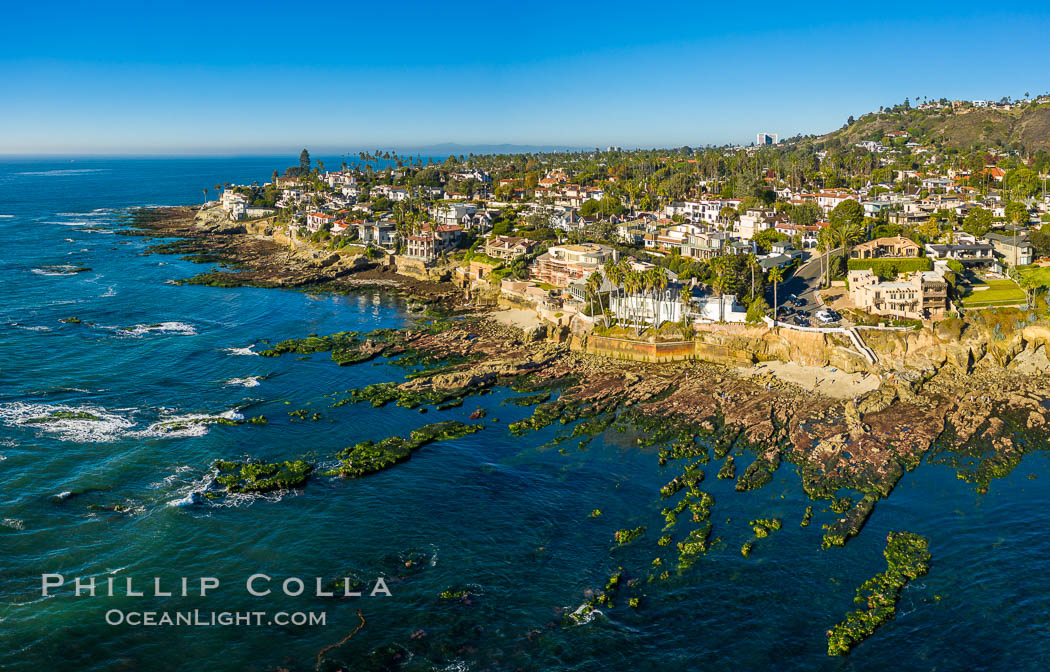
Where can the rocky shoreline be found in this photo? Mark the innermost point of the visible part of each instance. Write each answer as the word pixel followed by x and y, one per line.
pixel 954 394
pixel 973 396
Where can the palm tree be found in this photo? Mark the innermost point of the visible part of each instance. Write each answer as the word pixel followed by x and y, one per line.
pixel 720 266
pixel 205 194
pixel 824 246
pixel 658 281
pixel 776 275
pixel 752 265
pixel 594 288
pixel 685 295
pixel 847 235
pixel 614 272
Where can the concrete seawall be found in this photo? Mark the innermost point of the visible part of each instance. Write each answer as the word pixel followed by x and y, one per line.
pixel 639 351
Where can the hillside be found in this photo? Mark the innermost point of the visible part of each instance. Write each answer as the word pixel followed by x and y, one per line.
pixel 1027 128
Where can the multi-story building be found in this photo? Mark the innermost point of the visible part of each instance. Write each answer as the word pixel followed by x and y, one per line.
pixel 562 264
pixel 508 247
pixel 1014 250
pixel 896 247
pixel 918 296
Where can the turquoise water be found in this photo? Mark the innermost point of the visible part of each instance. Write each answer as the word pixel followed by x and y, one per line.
pixel 499 515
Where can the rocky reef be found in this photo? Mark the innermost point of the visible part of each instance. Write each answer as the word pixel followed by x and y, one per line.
pixel 907 558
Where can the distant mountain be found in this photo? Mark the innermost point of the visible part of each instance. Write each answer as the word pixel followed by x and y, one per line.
pixel 1025 127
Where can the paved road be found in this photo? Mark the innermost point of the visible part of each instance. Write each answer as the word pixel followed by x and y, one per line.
pixel 804 284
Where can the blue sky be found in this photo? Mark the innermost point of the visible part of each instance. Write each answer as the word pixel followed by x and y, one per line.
pixel 113 77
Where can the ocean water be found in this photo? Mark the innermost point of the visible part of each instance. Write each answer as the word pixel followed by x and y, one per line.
pixel 504 517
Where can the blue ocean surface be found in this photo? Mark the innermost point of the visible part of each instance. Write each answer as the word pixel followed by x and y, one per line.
pixel 503 517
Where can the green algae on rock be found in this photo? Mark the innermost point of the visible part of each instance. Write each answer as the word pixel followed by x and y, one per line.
pixel 369 457
pixel 763 526
pixel 728 470
pixel 850 525
pixel 758 473
pixel 806 517
pixel 62 415
pixel 624 537
pixel 907 558
pixel 259 477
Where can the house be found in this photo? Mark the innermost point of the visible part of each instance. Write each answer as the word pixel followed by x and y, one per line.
pixel 967 253
pixel 753 222
pixel 256 211
pixel 917 296
pixel 382 234
pixel 561 264
pixel 895 247
pixel 829 199
pixel 706 245
pixel 1014 250
pixel 508 247
pixel 393 193
pixel 422 246
pixel 478 221
pixel 452 213
pixel 659 306
pixel 316 220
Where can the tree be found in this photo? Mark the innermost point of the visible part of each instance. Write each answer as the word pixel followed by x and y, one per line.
pixel 847 223
pixel 685 296
pixel 720 282
pixel 205 194
pixel 752 265
pixel 594 289
pixel 977 222
pixel 776 276
pixel 304 162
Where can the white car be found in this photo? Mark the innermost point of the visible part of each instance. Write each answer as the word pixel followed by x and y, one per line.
pixel 826 317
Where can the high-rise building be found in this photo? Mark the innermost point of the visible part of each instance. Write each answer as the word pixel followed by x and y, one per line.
pixel 767 139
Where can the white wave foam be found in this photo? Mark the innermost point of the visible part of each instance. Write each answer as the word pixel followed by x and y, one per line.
pixel 180 328
pixel 27 327
pixel 241 351
pixel 6 216
pixel 171 478
pixel 190 424
pixel 14 523
pixel 112 291
pixel 94 424
pixel 249 381
pixel 59 269
pixel 584 614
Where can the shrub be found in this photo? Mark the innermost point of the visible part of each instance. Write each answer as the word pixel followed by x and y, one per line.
pixel 891 268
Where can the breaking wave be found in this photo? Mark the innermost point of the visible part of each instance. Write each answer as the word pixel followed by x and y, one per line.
pixel 59 269
pixel 83 424
pixel 180 328
pixel 241 351
pixel 248 381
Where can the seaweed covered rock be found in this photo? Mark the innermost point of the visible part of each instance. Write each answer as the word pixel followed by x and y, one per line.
pixel 850 525
pixel 624 537
pixel 758 473
pixel 261 476
pixel 907 558
pixel 369 457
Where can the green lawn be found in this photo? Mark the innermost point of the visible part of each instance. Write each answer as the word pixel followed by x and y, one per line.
pixel 1039 274
pixel 999 293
